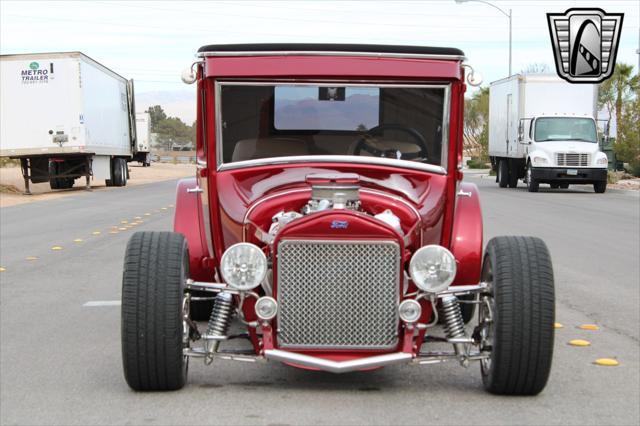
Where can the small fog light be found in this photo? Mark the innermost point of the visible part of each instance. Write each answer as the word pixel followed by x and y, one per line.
pixel 410 311
pixel 266 308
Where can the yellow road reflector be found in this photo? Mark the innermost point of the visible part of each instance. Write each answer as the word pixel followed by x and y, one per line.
pixel 2 269
pixel 31 258
pixel 163 208
pixel 579 342
pixel 557 325
pixel 124 221
pixel 95 233
pixel 56 248
pixel 147 214
pixel 78 240
pixel 122 229
pixel 139 221
pixel 113 232
pixel 137 218
pixel 608 362
pixel 589 327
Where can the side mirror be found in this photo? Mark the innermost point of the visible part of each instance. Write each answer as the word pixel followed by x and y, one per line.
pixel 521 132
pixel 188 76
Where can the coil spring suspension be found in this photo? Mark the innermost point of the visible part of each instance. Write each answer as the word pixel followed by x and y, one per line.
pixel 453 322
pixel 220 320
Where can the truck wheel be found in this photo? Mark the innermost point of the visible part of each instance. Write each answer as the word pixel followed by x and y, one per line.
pixel 564 185
pixel 600 187
pixel 156 267
pixel 532 184
pixel 554 185
pixel 513 175
pixel 118 173
pixel 503 173
pixel 516 320
pixel 54 182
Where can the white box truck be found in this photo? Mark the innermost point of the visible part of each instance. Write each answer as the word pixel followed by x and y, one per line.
pixel 66 116
pixel 543 130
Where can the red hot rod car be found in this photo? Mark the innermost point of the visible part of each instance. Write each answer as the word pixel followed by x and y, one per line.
pixel 328 217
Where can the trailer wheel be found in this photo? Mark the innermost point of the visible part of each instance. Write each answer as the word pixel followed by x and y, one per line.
pixel 503 173
pixel 564 185
pixel 532 184
pixel 600 187
pixel 516 320
pixel 554 185
pixel 118 172
pixel 156 267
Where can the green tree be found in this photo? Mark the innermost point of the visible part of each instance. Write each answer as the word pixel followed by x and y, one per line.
pixel 157 115
pixel 627 147
pixel 476 122
pixel 615 91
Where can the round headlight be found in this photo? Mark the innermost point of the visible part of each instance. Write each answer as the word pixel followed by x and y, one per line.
pixel 266 308
pixel 243 266
pixel 432 268
pixel 409 311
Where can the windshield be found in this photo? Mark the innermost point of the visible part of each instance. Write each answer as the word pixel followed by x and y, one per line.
pixel 564 129
pixel 260 121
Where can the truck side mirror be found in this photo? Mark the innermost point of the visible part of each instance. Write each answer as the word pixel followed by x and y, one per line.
pixel 521 132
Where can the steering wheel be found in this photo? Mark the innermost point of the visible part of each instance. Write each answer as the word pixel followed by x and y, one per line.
pixel 363 143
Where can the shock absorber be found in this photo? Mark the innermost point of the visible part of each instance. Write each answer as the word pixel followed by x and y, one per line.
pixel 453 322
pixel 219 321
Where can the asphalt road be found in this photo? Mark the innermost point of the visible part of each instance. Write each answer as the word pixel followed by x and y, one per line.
pixel 60 360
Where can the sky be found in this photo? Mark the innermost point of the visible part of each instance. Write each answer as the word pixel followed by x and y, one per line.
pixel 153 41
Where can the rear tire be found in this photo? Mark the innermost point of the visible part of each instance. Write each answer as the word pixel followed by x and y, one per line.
pixel 513 175
pixel 564 185
pixel 118 172
pixel 521 295
pixel 503 173
pixel 555 185
pixel 600 187
pixel 156 267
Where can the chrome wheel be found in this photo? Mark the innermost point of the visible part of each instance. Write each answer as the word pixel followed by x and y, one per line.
pixel 486 313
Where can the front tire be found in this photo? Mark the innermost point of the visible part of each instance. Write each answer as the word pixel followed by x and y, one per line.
pixel 156 267
pixel 600 187
pixel 532 184
pixel 519 333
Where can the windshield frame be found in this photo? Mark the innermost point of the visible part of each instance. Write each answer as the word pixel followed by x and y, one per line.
pixel 535 129
pixel 442 169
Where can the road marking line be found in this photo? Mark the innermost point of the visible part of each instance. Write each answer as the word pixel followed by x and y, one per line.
pixel 78 240
pixel 607 362
pixel 137 218
pixel 122 229
pixel 31 258
pixel 2 269
pixel 56 248
pixel 102 303
pixel 589 327
pixel 124 221
pixel 163 208
pixel 579 342
pixel 113 232
pixel 557 325
pixel 147 214
pixel 96 233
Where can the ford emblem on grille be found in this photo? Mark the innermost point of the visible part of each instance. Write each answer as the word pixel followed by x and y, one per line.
pixel 339 224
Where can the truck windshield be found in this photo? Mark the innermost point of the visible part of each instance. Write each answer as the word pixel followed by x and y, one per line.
pixel 564 129
pixel 261 121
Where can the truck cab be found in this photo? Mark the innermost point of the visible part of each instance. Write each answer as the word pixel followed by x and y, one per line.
pixel 562 149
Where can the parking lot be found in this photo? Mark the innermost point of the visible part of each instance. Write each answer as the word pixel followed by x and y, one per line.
pixel 60 325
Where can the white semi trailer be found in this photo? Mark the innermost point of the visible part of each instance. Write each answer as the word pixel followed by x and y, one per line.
pixel 65 116
pixel 543 130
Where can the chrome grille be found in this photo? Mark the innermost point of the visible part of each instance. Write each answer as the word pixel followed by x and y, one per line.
pixel 338 294
pixel 572 159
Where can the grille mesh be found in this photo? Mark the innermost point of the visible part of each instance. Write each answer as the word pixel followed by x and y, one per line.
pixel 339 295
pixel 573 159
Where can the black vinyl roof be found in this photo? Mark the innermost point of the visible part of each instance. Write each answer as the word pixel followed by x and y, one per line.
pixel 331 47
